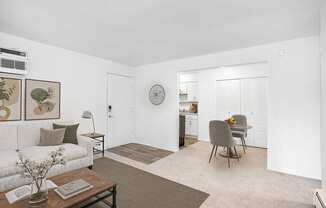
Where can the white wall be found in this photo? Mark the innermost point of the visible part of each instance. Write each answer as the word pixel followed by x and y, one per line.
pixel 294 101
pixel 188 77
pixel 82 77
pixel 294 94
pixel 323 89
pixel 207 90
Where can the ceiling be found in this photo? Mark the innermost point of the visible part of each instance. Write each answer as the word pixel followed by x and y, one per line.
pixel 139 32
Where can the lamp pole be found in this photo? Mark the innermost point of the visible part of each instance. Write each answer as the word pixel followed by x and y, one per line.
pixel 93 125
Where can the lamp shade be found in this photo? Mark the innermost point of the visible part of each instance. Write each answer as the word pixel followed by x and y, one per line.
pixel 87 115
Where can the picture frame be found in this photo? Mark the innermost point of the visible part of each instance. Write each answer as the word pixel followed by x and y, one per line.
pixel 42 100
pixel 10 99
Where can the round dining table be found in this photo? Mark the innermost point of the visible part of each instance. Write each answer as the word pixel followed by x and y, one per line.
pixel 238 129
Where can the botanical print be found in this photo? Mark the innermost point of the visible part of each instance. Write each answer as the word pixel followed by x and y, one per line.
pixel 10 99
pixel 42 100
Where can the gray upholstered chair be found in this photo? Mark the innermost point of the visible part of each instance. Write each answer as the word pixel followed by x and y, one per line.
pixel 220 135
pixel 241 134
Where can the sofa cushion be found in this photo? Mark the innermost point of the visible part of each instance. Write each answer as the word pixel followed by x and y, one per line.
pixel 70 134
pixel 72 152
pixel 29 134
pixel 51 137
pixel 8 137
pixel 8 162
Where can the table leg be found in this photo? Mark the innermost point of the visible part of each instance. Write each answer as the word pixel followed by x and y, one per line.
pixel 114 197
pixel 103 147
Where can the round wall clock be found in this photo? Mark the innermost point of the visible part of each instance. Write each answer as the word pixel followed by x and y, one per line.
pixel 156 94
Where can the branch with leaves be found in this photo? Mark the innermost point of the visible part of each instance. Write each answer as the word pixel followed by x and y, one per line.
pixel 4 95
pixel 38 170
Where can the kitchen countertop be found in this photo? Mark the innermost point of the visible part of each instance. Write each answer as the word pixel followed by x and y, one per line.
pixel 188 113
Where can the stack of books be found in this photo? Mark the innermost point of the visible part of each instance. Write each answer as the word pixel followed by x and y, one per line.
pixel 73 188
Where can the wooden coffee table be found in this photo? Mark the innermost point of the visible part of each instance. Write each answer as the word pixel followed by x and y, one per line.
pixel 99 193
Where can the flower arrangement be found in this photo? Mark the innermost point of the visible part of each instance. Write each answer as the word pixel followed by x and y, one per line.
pixel 231 121
pixel 37 172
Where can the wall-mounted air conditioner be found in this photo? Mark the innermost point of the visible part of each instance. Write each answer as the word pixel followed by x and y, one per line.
pixel 13 61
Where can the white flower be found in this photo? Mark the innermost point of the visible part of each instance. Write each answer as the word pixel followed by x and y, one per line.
pixel 37 170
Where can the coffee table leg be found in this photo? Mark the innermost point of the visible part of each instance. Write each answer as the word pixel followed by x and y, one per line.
pixel 114 197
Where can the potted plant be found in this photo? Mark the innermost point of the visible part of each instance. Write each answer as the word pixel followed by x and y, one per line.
pixel 231 121
pixel 37 171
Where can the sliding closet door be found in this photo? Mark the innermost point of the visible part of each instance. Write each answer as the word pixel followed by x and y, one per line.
pixel 227 98
pixel 253 105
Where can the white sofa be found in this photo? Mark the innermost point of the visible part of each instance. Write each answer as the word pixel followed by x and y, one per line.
pixel 25 138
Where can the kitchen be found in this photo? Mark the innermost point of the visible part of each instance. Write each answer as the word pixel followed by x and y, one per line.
pixel 188 108
pixel 218 94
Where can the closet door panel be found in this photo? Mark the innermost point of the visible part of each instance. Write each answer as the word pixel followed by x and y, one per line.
pixel 253 105
pixel 227 98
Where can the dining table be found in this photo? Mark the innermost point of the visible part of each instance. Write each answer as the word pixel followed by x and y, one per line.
pixel 239 129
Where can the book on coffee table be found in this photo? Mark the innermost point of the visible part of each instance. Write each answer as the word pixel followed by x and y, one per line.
pixel 73 188
pixel 24 192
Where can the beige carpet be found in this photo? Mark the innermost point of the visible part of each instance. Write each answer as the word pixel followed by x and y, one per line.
pixel 139 152
pixel 247 184
pixel 139 189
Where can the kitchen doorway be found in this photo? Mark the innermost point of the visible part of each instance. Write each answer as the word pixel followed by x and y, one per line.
pixel 217 94
pixel 188 108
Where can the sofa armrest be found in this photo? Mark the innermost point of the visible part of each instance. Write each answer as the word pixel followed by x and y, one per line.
pixel 87 143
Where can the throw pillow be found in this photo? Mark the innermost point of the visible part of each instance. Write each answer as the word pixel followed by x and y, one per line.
pixel 51 137
pixel 70 134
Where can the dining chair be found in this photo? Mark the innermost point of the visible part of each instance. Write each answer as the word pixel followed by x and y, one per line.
pixel 242 134
pixel 220 135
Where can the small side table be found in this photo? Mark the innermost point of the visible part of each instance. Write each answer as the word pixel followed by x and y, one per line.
pixel 99 138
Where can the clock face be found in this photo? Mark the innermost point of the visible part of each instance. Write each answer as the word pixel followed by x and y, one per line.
pixel 157 94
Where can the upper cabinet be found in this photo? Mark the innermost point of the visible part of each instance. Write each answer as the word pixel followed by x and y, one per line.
pixel 192 91
pixel 183 88
pixel 188 91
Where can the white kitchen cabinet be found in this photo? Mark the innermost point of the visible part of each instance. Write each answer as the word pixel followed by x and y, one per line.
pixel 194 127
pixel 191 125
pixel 189 88
pixel 192 91
pixel 183 88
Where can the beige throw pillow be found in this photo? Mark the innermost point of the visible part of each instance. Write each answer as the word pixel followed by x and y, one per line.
pixel 52 137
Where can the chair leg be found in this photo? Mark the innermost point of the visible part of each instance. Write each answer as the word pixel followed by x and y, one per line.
pixel 228 153
pixel 216 150
pixel 211 154
pixel 235 150
pixel 244 141
pixel 243 144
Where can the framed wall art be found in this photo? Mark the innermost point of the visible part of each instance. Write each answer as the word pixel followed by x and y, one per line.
pixel 10 99
pixel 42 99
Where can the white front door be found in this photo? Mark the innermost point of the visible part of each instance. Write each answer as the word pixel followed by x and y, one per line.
pixel 121 109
